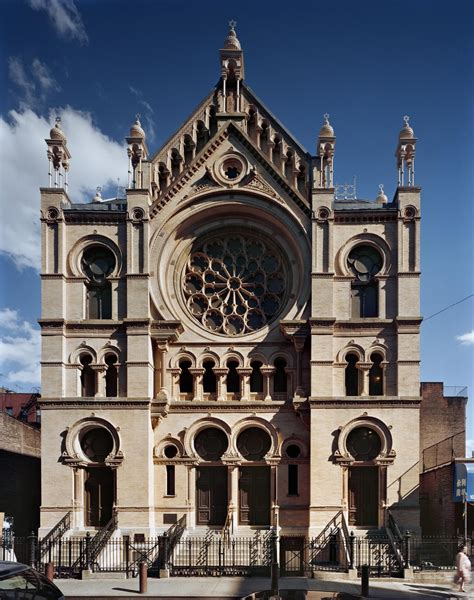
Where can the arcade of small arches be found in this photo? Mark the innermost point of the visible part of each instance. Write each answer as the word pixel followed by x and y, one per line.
pixel 288 160
pixel 97 375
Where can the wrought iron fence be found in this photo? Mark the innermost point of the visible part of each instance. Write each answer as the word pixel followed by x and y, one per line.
pixel 214 555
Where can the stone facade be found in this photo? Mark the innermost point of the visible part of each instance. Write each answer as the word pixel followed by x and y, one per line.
pixel 231 313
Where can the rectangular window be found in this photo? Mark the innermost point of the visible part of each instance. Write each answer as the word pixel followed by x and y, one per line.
pixel 170 480
pixel 292 480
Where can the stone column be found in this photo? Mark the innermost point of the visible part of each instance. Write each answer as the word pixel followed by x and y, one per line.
pixel 163 349
pixel 364 369
pixel 244 382
pixel 221 373
pixel 191 499
pixel 290 376
pixel 175 373
pixel 267 372
pixel 99 371
pixel 197 382
pixel 299 345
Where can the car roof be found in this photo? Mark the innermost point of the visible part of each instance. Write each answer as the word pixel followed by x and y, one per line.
pixel 11 568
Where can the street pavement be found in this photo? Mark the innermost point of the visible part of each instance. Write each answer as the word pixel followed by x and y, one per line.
pixel 240 587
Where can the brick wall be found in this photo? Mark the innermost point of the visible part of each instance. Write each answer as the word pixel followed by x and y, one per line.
pixel 441 417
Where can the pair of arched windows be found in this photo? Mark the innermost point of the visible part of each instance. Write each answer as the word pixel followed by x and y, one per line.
pixel 353 381
pixel 89 379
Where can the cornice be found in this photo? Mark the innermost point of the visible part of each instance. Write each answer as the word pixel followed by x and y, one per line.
pixel 357 216
pixel 93 403
pixel 226 406
pixel 361 402
pixel 94 217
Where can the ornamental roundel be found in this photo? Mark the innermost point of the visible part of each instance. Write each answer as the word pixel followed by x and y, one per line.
pixel 235 284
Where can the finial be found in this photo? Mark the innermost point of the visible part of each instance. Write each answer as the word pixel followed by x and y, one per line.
pixel 326 117
pixel 98 196
pixel 326 129
pixel 137 118
pixel 406 118
pixel 407 131
pixel 232 24
pixel 381 196
pixel 58 121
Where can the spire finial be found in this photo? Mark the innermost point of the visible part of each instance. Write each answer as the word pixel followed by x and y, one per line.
pixel 381 196
pixel 326 129
pixel 380 188
pixel 232 24
pixel 98 195
pixel 406 118
pixel 326 117
pixel 137 118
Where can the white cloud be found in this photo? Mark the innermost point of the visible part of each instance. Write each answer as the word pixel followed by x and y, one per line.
pixel 65 18
pixel 96 161
pixel 44 76
pixel 466 339
pixel 19 351
pixel 34 83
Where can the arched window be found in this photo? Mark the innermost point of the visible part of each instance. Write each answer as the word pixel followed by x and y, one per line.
pixel 364 262
pixel 254 443
pixel 364 443
pixel 256 377
pixel 280 384
pixel 233 378
pixel 376 383
pixel 185 378
pixel 87 376
pixel 293 451
pixel 352 375
pixel 111 375
pixel 98 263
pixel 211 443
pixel 209 378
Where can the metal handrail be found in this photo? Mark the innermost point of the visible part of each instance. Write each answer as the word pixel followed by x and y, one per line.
pixel 225 531
pixel 395 538
pixel 57 532
pixel 94 546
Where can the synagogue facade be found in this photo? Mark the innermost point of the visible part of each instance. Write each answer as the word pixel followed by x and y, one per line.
pixel 230 341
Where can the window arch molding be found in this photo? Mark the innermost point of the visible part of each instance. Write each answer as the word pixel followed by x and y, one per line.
pixel 75 254
pixel 376 349
pixel 286 356
pixel 351 349
pixel 259 423
pixel 386 454
pixel 256 356
pixel 197 427
pixel 74 455
pixel 105 350
pixel 232 355
pixel 208 356
pixel 76 354
pixel 169 440
pixel 296 441
pixel 180 357
pixel 341 265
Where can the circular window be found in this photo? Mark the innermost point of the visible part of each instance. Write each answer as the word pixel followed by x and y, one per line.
pixel 363 443
pixel 211 443
pixel 293 451
pixel 365 262
pixel 98 263
pixel 235 284
pixel 97 444
pixel 171 451
pixel 254 443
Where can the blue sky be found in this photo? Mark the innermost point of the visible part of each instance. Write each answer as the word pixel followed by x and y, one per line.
pixel 367 63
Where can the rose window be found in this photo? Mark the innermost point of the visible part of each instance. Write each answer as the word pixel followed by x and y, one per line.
pixel 235 284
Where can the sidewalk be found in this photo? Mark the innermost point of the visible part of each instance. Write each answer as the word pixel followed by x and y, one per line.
pixel 239 587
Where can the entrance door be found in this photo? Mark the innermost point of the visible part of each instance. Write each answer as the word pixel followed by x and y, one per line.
pixel 363 496
pixel 254 496
pixel 99 496
pixel 211 491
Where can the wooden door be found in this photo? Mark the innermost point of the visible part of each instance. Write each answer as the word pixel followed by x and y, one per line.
pixel 211 491
pixel 363 496
pixel 99 496
pixel 254 496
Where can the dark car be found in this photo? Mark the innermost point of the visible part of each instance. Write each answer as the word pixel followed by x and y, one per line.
pixel 21 582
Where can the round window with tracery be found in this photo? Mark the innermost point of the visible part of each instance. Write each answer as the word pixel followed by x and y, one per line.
pixel 235 284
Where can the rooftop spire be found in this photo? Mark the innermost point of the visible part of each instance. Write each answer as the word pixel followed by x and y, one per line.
pixel 232 57
pixel 232 41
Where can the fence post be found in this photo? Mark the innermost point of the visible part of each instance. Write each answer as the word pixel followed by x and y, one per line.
pixel 220 555
pixel 88 550
pixel 60 556
pixel 127 555
pixel 274 565
pixel 407 549
pixel 351 550
pixel 364 584
pixel 49 571
pixel 32 549
pixel 143 578
pixel 164 567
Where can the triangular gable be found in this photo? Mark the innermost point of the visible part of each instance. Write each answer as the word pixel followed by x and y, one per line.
pixel 194 175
